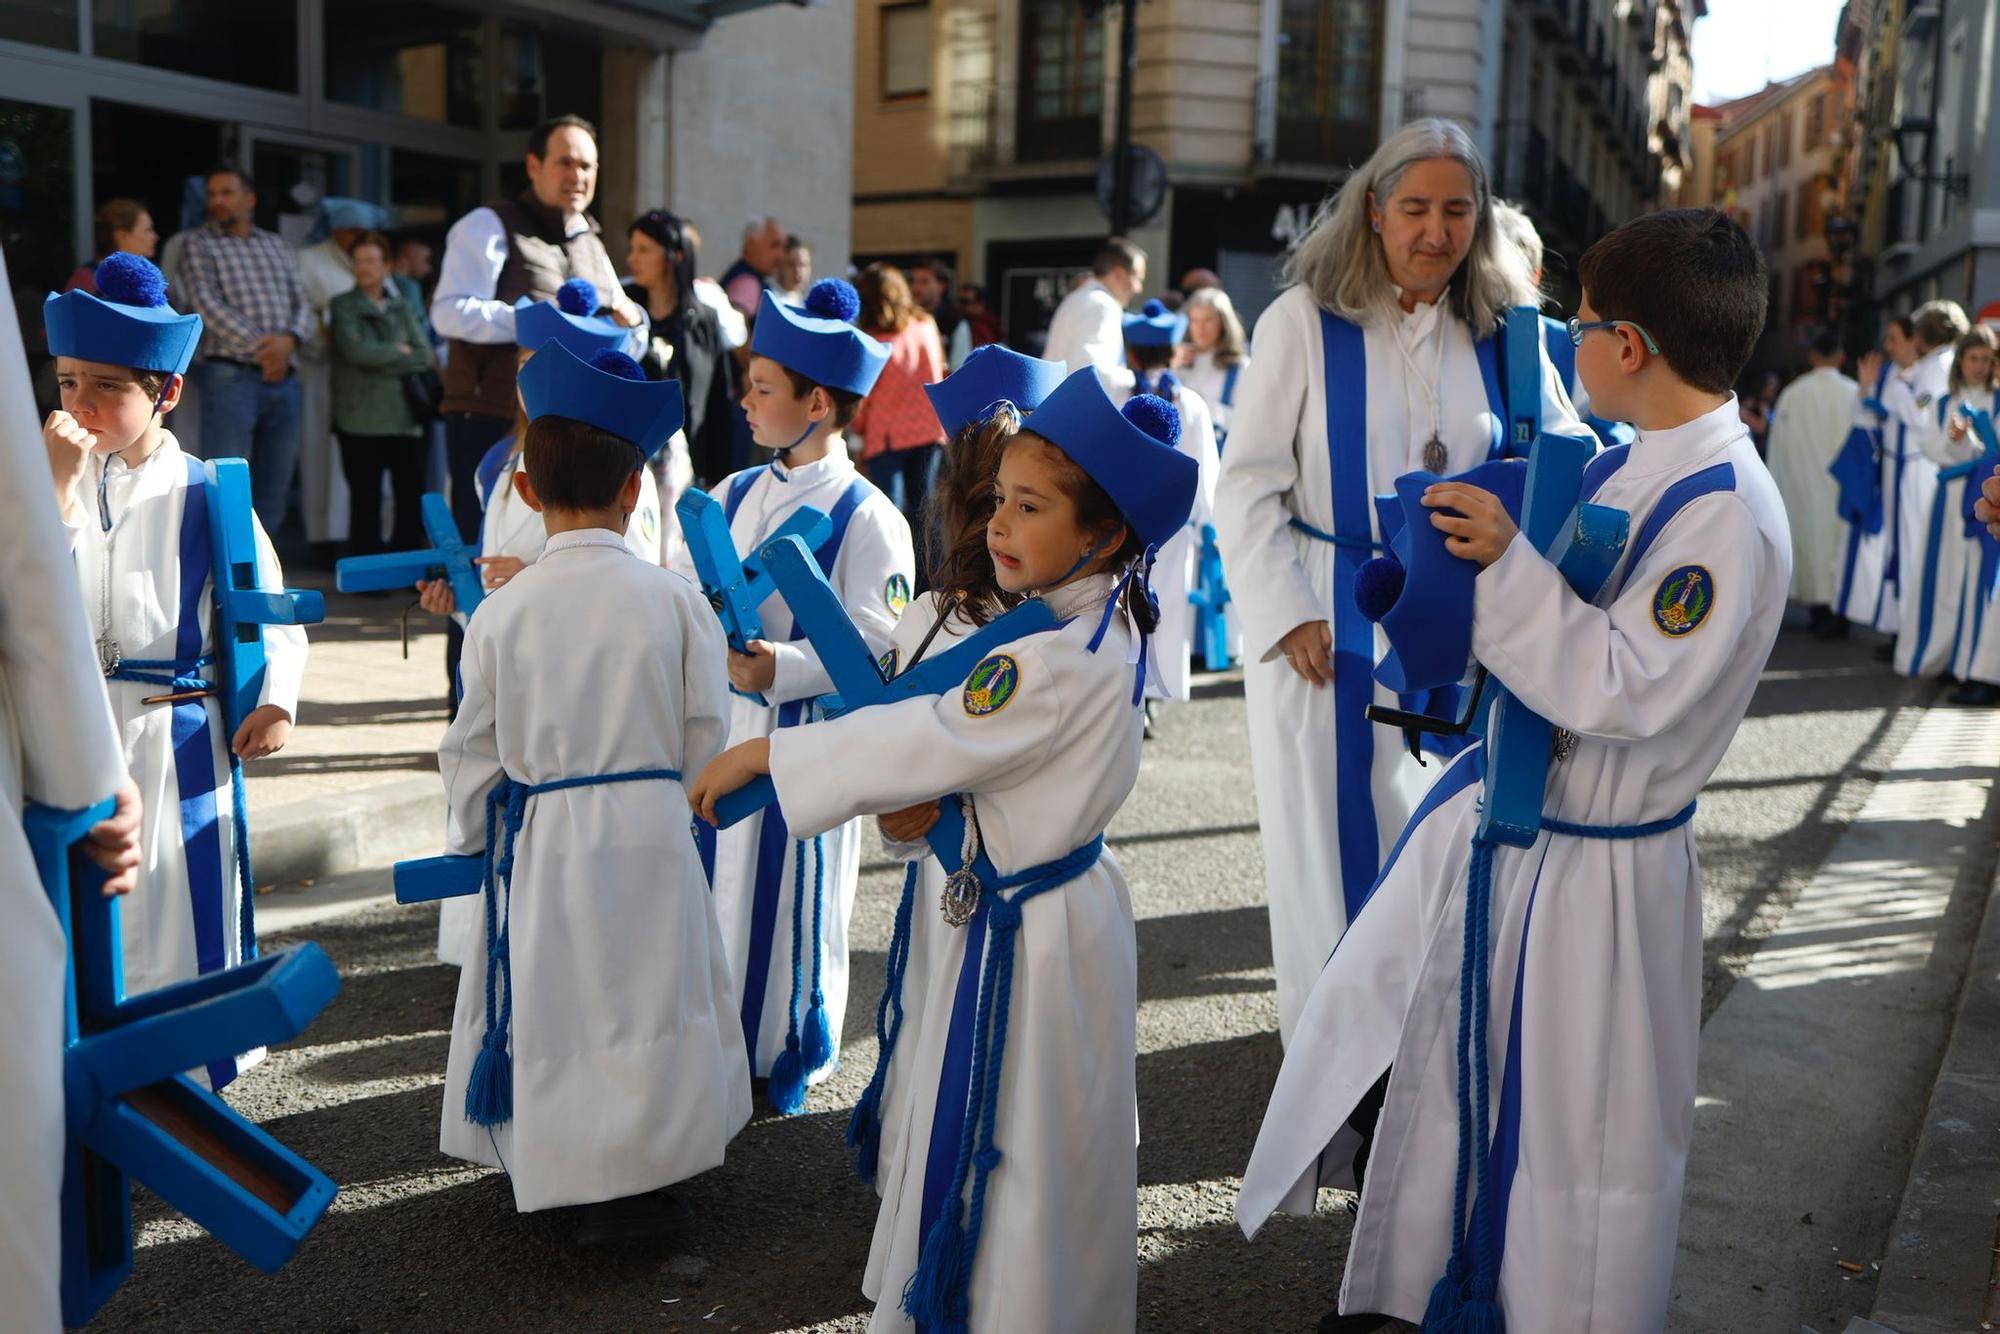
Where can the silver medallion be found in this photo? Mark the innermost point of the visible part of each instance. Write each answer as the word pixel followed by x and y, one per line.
pixel 1562 745
pixel 960 897
pixel 1435 457
pixel 109 655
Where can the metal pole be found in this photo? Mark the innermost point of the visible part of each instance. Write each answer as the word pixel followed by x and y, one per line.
pixel 1121 148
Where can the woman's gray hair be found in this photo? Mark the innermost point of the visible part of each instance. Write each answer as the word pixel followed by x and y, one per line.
pixel 1518 231
pixel 1231 346
pixel 1340 261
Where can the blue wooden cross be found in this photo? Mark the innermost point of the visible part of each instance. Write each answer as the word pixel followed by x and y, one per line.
pixel 449 557
pixel 735 587
pixel 132 1114
pixel 242 609
pixel 1210 599
pixel 1583 541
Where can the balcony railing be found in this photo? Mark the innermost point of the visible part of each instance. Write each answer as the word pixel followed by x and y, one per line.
pixel 988 134
pixel 1304 124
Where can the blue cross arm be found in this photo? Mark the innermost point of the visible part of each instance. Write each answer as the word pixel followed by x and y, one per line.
pixel 428 879
pixel 242 607
pixel 734 586
pixel 448 557
pixel 1981 422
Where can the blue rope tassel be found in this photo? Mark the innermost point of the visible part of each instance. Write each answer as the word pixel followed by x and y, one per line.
pixel 864 1128
pixel 816 1035
pixel 788 1072
pixel 1466 1300
pixel 937 1294
pixel 489 1090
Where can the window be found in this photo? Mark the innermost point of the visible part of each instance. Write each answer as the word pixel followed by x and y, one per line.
pixel 252 42
pixel 1807 218
pixel 906 51
pixel 1777 237
pixel 1816 125
pixel 1786 126
pixel 1062 81
pixel 545 74
pixel 418 59
pixel 37 209
pixel 39 22
pixel 1329 81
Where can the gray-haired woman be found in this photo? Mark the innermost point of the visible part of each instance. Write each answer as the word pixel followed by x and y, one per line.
pixel 1380 359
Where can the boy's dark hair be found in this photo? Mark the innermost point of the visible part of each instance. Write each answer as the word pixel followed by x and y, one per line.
pixel 1095 512
pixel 936 267
pixel 1693 280
pixel 226 168
pixel 152 382
pixel 1904 325
pixel 845 402
pixel 1148 358
pixel 1825 343
pixel 538 138
pixel 576 466
pixel 1115 254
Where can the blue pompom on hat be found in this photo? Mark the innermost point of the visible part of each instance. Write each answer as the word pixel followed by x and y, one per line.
pixel 578 296
pixel 989 375
pixel 1129 453
pixel 1155 326
pixel 569 320
pixel 609 391
pixel 128 323
pixel 819 340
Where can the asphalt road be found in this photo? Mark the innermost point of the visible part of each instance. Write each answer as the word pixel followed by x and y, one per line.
pixel 778 1236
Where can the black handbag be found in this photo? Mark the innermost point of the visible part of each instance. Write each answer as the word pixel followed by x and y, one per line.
pixel 424 390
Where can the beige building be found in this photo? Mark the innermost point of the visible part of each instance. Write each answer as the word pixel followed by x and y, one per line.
pixel 1776 168
pixel 979 125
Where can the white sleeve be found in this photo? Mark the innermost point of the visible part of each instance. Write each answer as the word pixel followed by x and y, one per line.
pixel 284 645
pixel 896 755
pixel 704 671
pixel 1259 554
pixel 463 306
pixel 1614 673
pixel 961 345
pixel 1198 440
pixel 1103 335
pixel 876 551
pixel 469 755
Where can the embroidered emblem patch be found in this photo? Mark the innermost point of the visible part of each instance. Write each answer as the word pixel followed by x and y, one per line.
pixel 992 683
pixel 1684 601
pixel 649 524
pixel 888 663
pixel 896 593
pixel 1923 401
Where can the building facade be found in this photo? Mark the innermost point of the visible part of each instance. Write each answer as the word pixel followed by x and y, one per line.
pixel 980 125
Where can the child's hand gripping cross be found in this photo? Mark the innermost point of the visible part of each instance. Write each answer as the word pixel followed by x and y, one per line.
pixel 1475 523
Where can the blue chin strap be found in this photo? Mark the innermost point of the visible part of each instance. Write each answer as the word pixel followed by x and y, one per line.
pixel 786 449
pixel 1142 570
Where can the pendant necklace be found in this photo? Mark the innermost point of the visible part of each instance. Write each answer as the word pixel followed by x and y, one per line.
pixel 961 888
pixel 1436 458
pixel 109 653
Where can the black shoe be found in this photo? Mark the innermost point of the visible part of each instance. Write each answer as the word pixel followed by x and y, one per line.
pixel 1886 652
pixel 1977 694
pixel 633 1218
pixel 1831 626
pixel 1333 1322
pixel 1151 728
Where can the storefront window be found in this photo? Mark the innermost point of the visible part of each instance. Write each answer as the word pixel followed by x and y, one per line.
pixel 291 180
pixel 37 217
pixel 545 74
pixel 156 157
pixel 253 42
pixel 40 22
pixel 418 60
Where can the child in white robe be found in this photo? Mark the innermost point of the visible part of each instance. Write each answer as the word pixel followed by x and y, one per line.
pixel 1595 930
pixel 809 370
pixel 1030 1226
pixel 1929 597
pixel 594 1050
pixel 134 504
pixel 1975 375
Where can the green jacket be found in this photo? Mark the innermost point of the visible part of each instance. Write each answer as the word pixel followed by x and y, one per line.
pixel 369 364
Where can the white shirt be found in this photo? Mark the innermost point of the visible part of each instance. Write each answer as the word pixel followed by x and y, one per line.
pixel 475 250
pixel 1088 329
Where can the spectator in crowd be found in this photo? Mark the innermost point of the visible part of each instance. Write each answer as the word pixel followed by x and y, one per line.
pixel 411 270
pixel 686 341
pixel 979 316
pixel 328 269
pixel 1214 356
pixel 763 249
pixel 735 329
pixel 930 286
pixel 1809 424
pixel 244 283
pixel 795 271
pixel 898 430
pixel 1194 280
pixel 121 225
pixel 1754 402
pixel 379 341
pixel 1088 327
pixel 527 246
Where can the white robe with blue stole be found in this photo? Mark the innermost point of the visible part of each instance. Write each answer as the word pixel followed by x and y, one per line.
pixel 507 527
pixel 1333 788
pixel 1928 598
pixel 1595 942
pixel 629 1072
pixel 1048 757
pixel 1961 559
pixel 1171 651
pixel 870 562
pixel 1868 580
pixel 147 585
pixel 57 748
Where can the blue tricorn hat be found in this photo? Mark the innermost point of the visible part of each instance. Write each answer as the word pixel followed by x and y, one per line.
pixel 989 375
pixel 128 323
pixel 819 341
pixel 1130 453
pixel 1420 593
pixel 609 392
pixel 337 212
pixel 568 320
pixel 1155 326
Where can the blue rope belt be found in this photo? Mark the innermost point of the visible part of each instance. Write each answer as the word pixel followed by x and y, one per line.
pixel 1466 1299
pixel 181 675
pixel 864 1128
pixel 937 1293
pixel 809 1050
pixel 489 1092
pixel 1334 539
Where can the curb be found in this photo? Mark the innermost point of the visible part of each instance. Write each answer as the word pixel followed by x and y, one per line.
pixel 1939 1267
pixel 323 836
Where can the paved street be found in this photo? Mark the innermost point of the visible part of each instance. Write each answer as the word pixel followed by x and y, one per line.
pixel 780 1234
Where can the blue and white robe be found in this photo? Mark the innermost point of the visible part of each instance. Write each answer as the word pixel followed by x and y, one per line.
pixel 1961 561
pixel 1928 594
pixel 184 918
pixel 1333 788
pixel 870 562
pixel 1868 584
pixel 1596 945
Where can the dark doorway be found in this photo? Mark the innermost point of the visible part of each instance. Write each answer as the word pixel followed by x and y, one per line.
pixel 151 156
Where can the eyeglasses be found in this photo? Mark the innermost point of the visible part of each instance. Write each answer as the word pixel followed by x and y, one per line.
pixel 1577 329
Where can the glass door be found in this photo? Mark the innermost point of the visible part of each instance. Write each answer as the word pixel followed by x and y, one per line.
pixel 293 174
pixel 38 222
